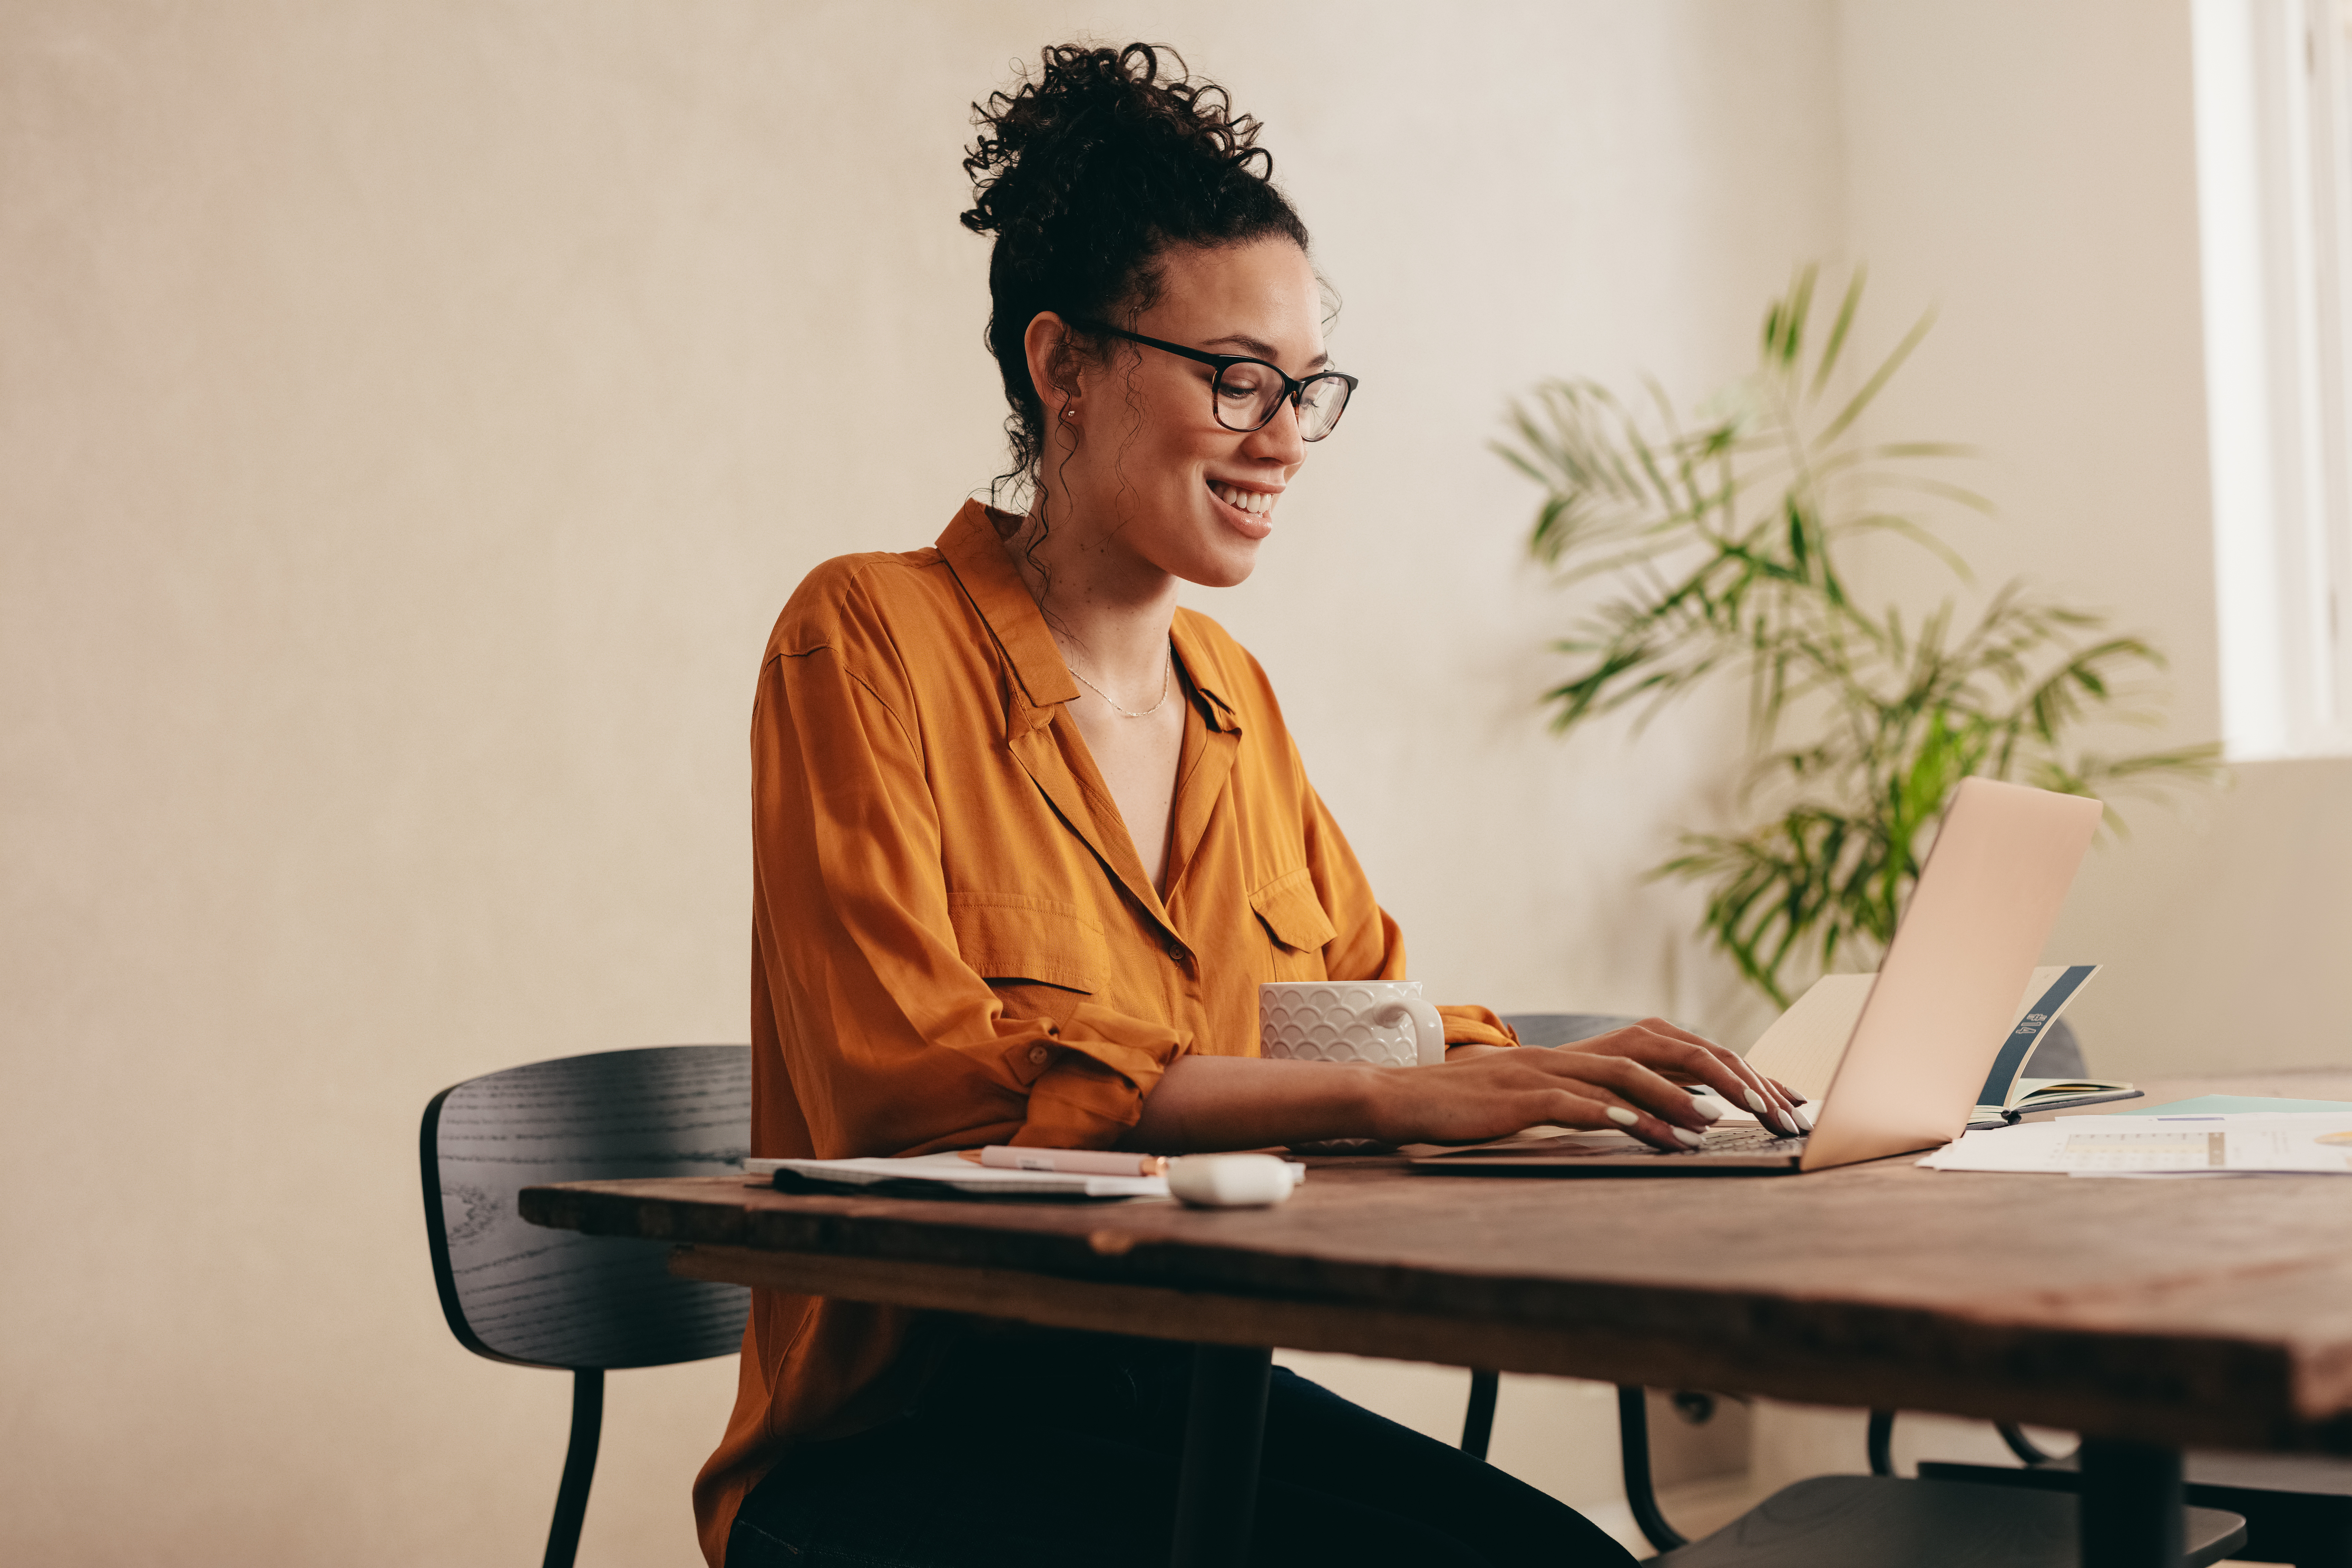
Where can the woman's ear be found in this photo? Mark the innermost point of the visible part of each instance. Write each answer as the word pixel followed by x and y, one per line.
pixel 1053 366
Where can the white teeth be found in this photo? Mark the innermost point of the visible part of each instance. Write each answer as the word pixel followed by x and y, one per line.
pixel 1258 503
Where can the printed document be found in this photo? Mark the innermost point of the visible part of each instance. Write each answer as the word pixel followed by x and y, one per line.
pixel 2168 1145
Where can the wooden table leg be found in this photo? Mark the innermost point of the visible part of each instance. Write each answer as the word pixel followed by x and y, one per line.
pixel 2131 1505
pixel 1224 1430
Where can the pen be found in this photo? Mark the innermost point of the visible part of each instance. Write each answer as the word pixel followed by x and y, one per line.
pixel 1072 1162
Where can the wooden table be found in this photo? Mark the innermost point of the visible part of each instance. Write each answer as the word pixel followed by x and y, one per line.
pixel 2147 1315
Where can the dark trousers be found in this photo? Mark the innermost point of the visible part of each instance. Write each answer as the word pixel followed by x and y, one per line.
pixel 1062 1451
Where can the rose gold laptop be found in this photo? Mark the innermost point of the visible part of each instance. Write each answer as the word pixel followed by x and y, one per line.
pixel 1937 1012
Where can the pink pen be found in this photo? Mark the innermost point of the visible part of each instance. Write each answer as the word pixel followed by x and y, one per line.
pixel 1071 1162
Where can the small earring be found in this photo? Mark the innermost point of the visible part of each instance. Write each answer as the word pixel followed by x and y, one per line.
pixel 1070 409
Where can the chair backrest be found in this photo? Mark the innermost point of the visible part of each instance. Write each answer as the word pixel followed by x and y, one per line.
pixel 1562 1028
pixel 517 1292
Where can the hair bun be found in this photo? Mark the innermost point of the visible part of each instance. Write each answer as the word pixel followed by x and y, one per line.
pixel 1085 173
pixel 1102 123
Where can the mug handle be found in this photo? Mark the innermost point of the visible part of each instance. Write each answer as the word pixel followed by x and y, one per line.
pixel 1428 1028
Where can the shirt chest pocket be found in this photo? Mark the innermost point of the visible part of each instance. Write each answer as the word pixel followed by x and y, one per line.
pixel 1016 938
pixel 1294 918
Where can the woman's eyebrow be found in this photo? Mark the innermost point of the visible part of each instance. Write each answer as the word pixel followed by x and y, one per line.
pixel 1260 349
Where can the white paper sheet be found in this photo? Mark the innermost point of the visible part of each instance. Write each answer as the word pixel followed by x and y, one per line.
pixel 2318 1142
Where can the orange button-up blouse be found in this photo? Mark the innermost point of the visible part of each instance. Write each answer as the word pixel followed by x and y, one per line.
pixel 953 940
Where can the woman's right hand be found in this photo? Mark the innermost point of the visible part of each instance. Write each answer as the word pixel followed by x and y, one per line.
pixel 1615 1082
pixel 1674 1052
pixel 1625 1079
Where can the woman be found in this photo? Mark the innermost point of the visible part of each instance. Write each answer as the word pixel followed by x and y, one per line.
pixel 1027 836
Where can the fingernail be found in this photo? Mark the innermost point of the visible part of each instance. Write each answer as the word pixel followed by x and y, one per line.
pixel 1707 1105
pixel 1789 1121
pixel 1802 1114
pixel 1756 1103
pixel 1623 1117
pixel 1689 1137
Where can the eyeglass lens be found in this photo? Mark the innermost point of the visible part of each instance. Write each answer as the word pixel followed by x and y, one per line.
pixel 1249 394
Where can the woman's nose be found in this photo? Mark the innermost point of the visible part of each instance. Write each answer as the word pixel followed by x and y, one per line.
pixel 1278 439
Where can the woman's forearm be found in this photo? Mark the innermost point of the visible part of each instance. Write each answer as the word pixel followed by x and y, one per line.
pixel 1244 1102
pixel 1614 1080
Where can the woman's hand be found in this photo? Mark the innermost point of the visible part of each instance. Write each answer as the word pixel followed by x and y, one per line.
pixel 1678 1054
pixel 1629 1079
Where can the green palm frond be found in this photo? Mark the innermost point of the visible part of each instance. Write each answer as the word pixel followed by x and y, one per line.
pixel 1719 536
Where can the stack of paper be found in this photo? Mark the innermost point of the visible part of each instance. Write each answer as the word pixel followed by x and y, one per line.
pixel 2202 1145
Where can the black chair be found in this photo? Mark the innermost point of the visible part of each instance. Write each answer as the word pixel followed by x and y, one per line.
pixel 1844 1521
pixel 1563 1028
pixel 517 1293
pixel 1880 1521
pixel 2297 1507
pixel 1875 1521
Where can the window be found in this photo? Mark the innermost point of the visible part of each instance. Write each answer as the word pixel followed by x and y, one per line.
pixel 2274 115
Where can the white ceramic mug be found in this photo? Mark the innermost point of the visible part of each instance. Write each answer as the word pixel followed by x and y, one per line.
pixel 1382 1022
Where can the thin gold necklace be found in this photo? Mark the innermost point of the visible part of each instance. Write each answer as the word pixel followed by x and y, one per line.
pixel 1165 670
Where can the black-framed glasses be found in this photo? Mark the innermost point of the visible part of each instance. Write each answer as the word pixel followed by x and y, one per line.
pixel 1245 394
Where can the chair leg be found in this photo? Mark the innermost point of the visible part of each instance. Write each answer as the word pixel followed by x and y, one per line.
pixel 1633 1448
pixel 579 1466
pixel 1478 1421
pixel 2027 1451
pixel 1881 1442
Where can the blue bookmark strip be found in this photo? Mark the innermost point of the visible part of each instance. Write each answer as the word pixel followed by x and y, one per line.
pixel 2018 1049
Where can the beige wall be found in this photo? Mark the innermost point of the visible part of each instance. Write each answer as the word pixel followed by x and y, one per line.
pixel 412 416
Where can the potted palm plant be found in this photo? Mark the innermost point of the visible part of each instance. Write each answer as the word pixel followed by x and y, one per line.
pixel 1719 538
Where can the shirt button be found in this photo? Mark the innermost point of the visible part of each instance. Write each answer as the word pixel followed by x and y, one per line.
pixel 1175 950
pixel 1040 1055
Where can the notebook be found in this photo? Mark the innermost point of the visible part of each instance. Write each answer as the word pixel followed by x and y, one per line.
pixel 1802 1046
pixel 947 1175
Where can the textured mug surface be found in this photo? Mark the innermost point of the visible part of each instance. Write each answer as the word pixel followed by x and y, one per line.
pixel 1333 1021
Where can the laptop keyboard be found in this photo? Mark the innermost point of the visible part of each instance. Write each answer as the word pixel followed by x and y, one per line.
pixel 1613 1144
pixel 1747 1141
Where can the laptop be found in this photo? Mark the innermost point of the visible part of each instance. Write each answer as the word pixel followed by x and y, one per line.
pixel 1938 1011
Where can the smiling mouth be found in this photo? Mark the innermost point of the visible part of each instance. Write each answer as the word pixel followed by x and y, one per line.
pixel 1257 503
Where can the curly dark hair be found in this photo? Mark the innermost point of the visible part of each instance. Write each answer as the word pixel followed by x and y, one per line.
pixel 1086 173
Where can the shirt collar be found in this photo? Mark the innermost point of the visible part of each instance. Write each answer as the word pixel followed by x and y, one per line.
pixel 974 550
pixel 1210 677
pixel 975 554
